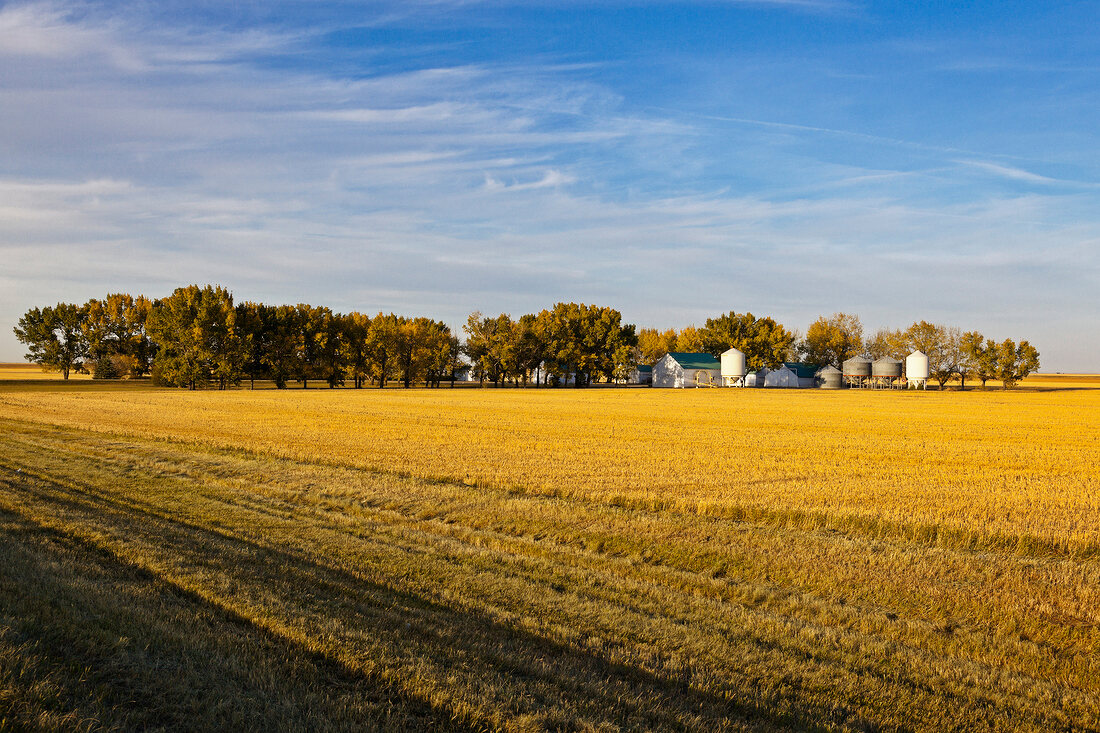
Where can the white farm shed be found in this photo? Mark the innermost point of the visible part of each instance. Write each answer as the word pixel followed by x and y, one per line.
pixel 781 377
pixel 678 370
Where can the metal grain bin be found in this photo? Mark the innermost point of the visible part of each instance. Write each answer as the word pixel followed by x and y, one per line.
pixel 886 367
pixel 830 378
pixel 857 367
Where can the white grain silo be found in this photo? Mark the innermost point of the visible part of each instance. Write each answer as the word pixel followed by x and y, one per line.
pixel 916 370
pixel 733 368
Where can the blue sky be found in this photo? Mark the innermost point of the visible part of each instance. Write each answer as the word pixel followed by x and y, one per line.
pixel 900 161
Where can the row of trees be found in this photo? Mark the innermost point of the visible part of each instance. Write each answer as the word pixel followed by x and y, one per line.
pixel 109 335
pixel 582 343
pixel 197 337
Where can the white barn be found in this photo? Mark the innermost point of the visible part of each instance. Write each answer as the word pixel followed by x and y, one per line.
pixel 678 370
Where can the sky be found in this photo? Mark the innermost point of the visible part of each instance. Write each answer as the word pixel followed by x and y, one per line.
pixel 791 158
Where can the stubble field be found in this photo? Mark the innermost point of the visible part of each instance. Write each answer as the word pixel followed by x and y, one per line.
pixel 550 559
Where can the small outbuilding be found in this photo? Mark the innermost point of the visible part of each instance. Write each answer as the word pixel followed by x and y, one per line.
pixel 781 377
pixel 642 374
pixel 805 373
pixel 756 379
pixel 678 370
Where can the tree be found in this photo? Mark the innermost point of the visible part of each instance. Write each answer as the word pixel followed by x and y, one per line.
pixel 887 343
pixel 833 340
pixel 489 344
pixel 982 355
pixel 382 344
pixel 764 342
pixel 115 330
pixel 970 346
pixel 653 344
pixel 356 328
pixel 1015 362
pixel 54 337
pixel 199 343
pixel 330 364
pixel 529 346
pixel 585 341
pixel 934 340
pixel 951 356
pixel 251 331
pixel 691 340
pixel 282 337
pixel 313 330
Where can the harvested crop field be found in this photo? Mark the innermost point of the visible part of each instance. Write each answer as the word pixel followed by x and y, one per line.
pixel 550 559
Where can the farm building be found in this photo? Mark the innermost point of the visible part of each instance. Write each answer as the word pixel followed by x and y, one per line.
pixel 781 377
pixel 642 374
pixel 756 379
pixel 678 370
pixel 806 373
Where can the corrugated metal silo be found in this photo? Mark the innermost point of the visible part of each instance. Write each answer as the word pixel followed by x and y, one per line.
pixel 830 378
pixel 857 366
pixel 886 367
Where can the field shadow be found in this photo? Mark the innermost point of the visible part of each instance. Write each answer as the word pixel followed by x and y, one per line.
pixel 90 642
pixel 492 674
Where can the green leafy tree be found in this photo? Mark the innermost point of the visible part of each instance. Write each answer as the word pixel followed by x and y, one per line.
pixel 1015 362
pixel 282 339
pixel 253 335
pixel 982 354
pixel 54 337
pixel 584 341
pixel 970 346
pixel 356 328
pixel 529 348
pixel 199 344
pixel 331 363
pixel 382 346
pixel 313 330
pixel 489 345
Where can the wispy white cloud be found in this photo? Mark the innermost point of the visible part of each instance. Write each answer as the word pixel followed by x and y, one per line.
pixel 1019 174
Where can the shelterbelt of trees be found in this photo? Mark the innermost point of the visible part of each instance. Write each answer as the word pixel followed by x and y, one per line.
pixel 198 337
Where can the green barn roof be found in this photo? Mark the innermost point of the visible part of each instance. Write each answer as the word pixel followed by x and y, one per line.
pixel 802 371
pixel 699 360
